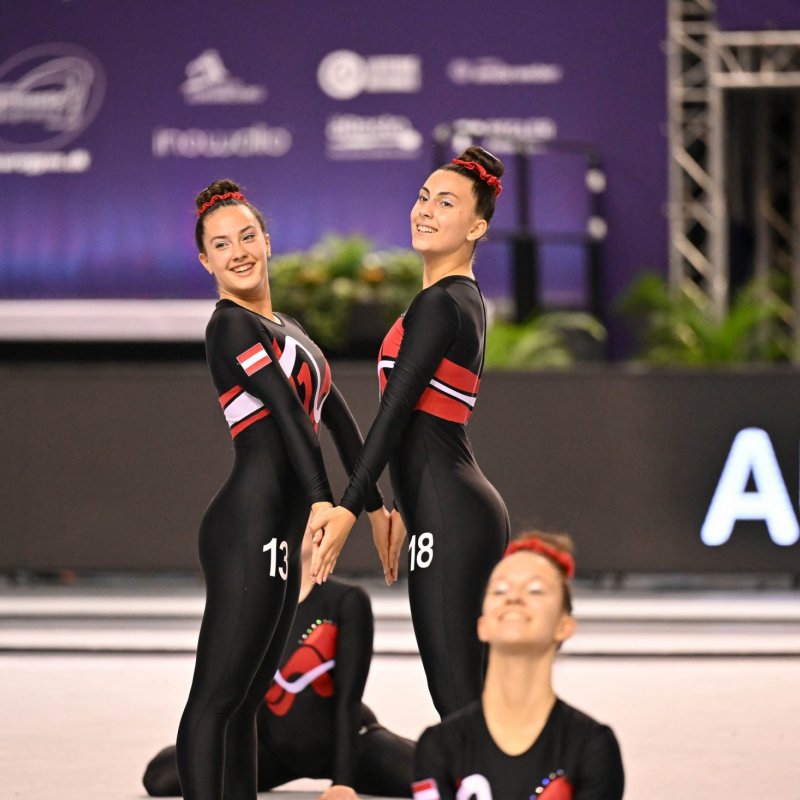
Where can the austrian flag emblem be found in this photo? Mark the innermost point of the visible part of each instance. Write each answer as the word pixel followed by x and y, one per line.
pixel 425 790
pixel 254 359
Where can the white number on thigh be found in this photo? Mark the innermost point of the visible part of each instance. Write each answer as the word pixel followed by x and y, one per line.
pixel 420 550
pixel 272 548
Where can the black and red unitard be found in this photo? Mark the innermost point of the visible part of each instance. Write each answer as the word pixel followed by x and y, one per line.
pixel 312 723
pixel 429 368
pixel 274 387
pixel 573 758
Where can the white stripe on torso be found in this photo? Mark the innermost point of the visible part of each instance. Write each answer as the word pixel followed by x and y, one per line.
pixel 468 399
pixel 296 686
pixel 244 405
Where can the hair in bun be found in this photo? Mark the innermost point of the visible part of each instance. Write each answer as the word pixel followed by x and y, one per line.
pixel 223 192
pixel 485 171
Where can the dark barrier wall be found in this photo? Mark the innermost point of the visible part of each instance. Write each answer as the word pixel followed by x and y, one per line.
pixel 111 466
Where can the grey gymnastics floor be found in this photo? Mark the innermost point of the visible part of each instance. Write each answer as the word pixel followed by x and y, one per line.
pixel 702 689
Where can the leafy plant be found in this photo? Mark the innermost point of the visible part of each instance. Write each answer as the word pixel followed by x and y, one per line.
pixel 545 341
pixel 676 329
pixel 326 285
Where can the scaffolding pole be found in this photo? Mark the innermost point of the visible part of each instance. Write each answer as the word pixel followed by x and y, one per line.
pixel 704 66
pixel 692 225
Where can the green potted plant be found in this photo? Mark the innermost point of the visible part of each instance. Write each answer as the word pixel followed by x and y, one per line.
pixel 554 339
pixel 345 291
pixel 675 329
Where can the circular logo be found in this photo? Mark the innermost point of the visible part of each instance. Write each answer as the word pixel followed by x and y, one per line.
pixel 342 74
pixel 409 140
pixel 49 94
pixel 459 70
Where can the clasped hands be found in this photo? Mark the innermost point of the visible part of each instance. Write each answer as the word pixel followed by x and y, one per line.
pixel 331 525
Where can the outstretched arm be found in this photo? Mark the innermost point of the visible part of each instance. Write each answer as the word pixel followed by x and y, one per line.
pixel 429 326
pixel 347 437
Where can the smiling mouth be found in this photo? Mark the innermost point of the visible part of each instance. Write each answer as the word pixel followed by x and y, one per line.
pixel 242 269
pixel 425 229
pixel 515 616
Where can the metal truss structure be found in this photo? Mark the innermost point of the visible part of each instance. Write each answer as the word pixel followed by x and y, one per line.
pixel 695 197
pixel 705 66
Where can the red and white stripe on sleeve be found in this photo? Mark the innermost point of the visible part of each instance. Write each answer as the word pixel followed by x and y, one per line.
pixel 425 790
pixel 254 359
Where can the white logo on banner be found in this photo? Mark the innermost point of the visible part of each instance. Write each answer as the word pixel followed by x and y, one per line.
pixel 258 139
pixel 42 163
pixel 349 136
pixel 344 74
pixel 208 82
pixel 495 72
pixel 751 456
pixel 49 94
pixel 500 135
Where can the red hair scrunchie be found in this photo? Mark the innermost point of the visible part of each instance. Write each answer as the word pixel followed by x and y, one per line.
pixel 490 180
pixel 216 199
pixel 564 560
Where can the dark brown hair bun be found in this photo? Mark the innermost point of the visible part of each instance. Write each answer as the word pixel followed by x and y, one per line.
pixel 485 194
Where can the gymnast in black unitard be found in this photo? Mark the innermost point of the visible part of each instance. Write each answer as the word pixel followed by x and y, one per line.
pixel 430 367
pixel 274 387
pixel 312 723
pixel 520 740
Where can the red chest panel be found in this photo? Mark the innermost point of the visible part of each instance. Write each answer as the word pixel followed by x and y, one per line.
pixel 309 665
pixel 452 390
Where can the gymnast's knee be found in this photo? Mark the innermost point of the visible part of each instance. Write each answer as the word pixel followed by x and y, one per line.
pixel 160 778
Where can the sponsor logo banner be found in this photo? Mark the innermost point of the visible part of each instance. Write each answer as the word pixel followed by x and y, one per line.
pixel 350 136
pixel 496 72
pixel 208 82
pixel 501 134
pixel 258 139
pixel 344 74
pixel 28 163
pixel 49 94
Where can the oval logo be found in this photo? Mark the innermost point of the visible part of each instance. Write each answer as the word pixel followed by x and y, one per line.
pixel 49 94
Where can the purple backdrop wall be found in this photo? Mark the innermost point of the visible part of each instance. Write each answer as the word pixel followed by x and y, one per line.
pixel 752 15
pixel 112 116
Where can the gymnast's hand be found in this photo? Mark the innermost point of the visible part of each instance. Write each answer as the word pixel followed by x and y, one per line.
pixel 316 507
pixel 336 792
pixel 330 529
pixel 397 535
pixel 381 522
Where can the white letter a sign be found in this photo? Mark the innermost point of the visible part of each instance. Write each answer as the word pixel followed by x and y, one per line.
pixel 751 454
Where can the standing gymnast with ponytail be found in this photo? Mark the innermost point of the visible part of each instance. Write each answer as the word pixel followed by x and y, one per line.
pixel 429 368
pixel 274 387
